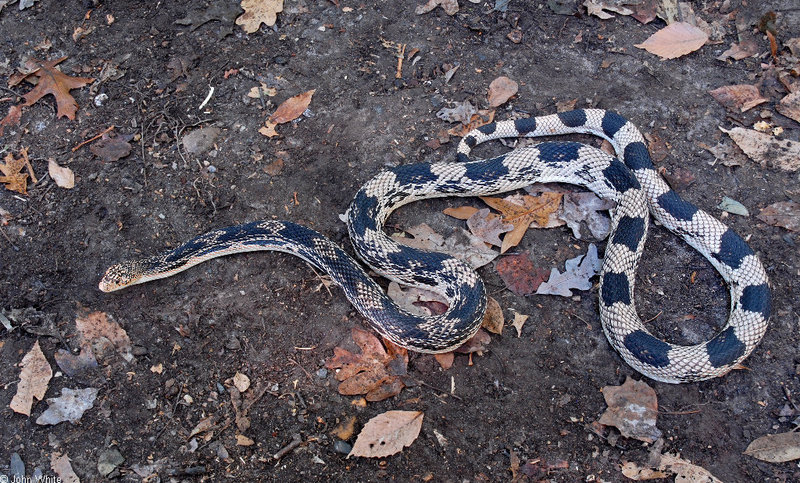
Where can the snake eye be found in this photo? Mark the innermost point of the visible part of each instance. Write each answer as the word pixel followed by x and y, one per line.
pixel 120 276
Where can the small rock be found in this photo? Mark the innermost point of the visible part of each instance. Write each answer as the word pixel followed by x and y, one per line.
pixel 280 60
pixel 342 447
pixel 138 350
pixel 233 344
pixel 16 468
pixel 109 460
pixel 200 140
pixel 322 373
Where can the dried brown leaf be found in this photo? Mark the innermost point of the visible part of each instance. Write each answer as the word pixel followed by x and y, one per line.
pixel 11 119
pixel 292 108
pixel 450 7
pixel 33 380
pixel 13 177
pixel 62 467
pixel 99 325
pixel 633 409
pixel 740 98
pixel 387 433
pixel 519 275
pixel 533 209
pixel 785 214
pixel 493 318
pixel 501 90
pixel 519 322
pixel 674 40
pixel 53 81
pixel 111 149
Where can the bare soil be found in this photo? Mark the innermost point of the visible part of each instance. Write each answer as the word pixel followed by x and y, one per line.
pixel 265 315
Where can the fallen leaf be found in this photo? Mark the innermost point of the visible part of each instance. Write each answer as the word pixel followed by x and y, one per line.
pixel 53 81
pixel 62 467
pixel 598 8
pixel 577 272
pixel 111 149
pixel 633 409
pixel 519 322
pixel 33 380
pixel 292 108
pixel 70 406
pixel 732 206
pixel 685 471
pixel 73 365
pixel 64 177
pixel 501 90
pixel 224 12
pixel 482 118
pixel 632 471
pixel 739 51
pixel 450 7
pixel 477 344
pixel 585 207
pixel 257 12
pixel 204 425
pixel 775 448
pixel 261 90
pixel 462 212
pixel 375 372
pixel 674 40
pixel 740 97
pixel 461 244
pixel 462 112
pixel 242 440
pixel 387 433
pixel 241 381
pixel 785 214
pixel 488 226
pixel 12 118
pixel 766 150
pixel 268 129
pixel 416 300
pixel 789 106
pixel 531 209
pixel 568 105
pixel 493 318
pixel 445 360
pixel 519 274
pixel 13 177
pixel 98 326
pixel 645 11
pixel 345 429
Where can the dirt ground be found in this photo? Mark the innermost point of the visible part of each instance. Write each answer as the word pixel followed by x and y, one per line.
pixel 532 397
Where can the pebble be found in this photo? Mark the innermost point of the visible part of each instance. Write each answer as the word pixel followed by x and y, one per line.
pixel 322 373
pixel 109 460
pixel 342 447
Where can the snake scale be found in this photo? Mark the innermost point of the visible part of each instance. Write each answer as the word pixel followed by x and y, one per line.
pixel 630 180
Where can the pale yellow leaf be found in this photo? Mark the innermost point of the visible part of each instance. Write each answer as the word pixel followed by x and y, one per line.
pixel 387 433
pixel 241 381
pixel 674 40
pixel 64 177
pixel 33 379
pixel 257 12
pixel 519 321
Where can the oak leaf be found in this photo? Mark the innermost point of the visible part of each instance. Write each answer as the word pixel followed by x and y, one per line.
pixel 501 90
pixel 532 209
pixel 375 372
pixel 257 12
pixel 387 433
pixel 292 108
pixel 633 409
pixel 11 119
pixel 13 177
pixel 53 81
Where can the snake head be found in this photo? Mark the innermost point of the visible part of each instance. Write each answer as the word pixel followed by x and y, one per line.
pixel 122 275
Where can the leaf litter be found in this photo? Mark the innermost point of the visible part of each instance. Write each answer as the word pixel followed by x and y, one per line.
pixel 70 406
pixel 387 434
pixel 288 111
pixel 33 380
pixel 577 273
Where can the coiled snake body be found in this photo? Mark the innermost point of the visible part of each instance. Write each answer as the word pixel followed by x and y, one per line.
pixel 635 186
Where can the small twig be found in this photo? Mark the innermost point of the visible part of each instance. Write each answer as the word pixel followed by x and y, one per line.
pixel 439 390
pixel 107 130
pixel 654 317
pixel 297 440
pixel 588 325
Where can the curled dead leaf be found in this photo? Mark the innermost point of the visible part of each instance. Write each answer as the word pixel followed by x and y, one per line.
pixel 64 177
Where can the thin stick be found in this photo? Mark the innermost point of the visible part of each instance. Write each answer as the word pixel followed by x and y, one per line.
pixel 108 129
